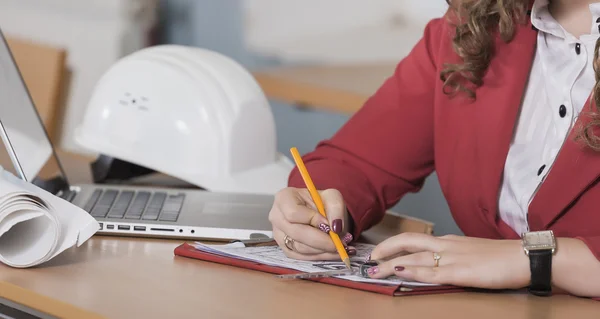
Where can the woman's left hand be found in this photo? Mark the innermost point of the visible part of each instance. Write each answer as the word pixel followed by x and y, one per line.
pixel 464 261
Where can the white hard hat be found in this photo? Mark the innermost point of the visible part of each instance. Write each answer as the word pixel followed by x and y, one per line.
pixel 188 112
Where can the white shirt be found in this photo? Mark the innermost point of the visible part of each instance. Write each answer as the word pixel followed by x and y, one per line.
pixel 561 80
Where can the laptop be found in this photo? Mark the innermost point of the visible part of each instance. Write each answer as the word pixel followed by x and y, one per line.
pixel 124 210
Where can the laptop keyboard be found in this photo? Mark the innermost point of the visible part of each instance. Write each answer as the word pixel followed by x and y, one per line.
pixel 138 205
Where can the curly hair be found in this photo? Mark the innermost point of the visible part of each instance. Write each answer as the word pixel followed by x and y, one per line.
pixel 477 22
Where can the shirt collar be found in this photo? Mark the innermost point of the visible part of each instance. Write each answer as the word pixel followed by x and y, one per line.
pixel 543 20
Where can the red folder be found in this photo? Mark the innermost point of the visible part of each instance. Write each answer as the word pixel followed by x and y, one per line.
pixel 186 250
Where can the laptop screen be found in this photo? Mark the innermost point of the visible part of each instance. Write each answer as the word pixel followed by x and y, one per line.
pixel 21 128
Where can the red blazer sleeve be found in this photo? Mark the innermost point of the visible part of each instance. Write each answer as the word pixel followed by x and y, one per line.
pixel 386 148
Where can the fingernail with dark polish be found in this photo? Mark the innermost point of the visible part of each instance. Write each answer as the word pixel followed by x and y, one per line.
pixel 324 228
pixel 351 251
pixel 347 238
pixel 373 270
pixel 337 226
pixel 398 268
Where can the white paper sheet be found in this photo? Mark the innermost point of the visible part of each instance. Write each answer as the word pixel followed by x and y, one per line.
pixel 274 256
pixel 35 225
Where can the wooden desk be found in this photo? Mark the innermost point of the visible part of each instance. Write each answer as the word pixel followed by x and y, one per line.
pixel 141 278
pixel 341 89
pixel 135 278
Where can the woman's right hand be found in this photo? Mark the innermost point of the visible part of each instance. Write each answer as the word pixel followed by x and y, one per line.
pixel 294 214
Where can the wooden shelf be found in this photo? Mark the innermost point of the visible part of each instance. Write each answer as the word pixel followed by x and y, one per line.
pixel 340 88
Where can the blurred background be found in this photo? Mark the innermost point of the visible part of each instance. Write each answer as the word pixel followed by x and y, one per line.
pixel 317 60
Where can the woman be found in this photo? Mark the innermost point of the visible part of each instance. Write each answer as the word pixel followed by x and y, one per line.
pixel 501 99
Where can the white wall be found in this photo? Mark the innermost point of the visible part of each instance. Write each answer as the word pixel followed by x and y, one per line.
pixel 95 33
pixel 337 31
pixel 98 32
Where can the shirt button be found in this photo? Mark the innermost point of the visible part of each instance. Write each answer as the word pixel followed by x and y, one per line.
pixel 578 48
pixel 541 170
pixel 562 111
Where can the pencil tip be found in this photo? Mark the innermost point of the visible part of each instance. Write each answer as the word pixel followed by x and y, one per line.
pixel 347 262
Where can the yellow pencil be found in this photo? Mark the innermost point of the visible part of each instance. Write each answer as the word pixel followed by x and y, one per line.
pixel 319 203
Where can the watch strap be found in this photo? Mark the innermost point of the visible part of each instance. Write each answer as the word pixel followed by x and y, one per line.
pixel 540 262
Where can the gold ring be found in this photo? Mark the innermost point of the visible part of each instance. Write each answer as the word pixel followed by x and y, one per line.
pixel 289 243
pixel 436 259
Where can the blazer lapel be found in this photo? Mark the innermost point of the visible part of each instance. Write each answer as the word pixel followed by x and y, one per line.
pixel 498 108
pixel 575 169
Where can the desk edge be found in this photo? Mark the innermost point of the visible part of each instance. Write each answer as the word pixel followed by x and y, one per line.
pixel 43 303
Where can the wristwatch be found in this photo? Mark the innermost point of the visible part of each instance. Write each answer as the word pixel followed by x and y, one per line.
pixel 540 246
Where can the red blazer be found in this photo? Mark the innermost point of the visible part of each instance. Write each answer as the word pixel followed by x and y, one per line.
pixel 409 128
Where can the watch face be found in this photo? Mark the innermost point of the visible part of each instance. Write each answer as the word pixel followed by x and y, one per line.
pixel 539 240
